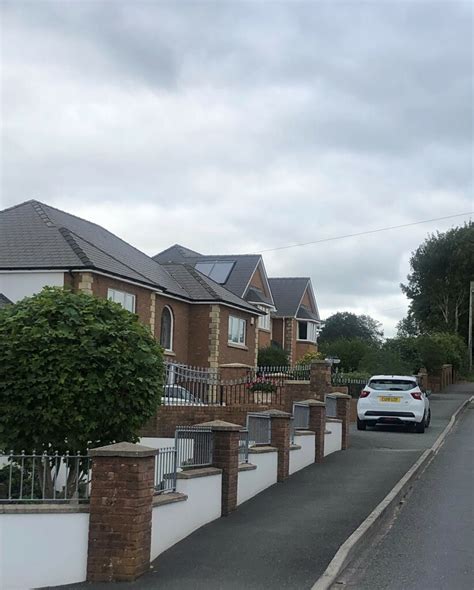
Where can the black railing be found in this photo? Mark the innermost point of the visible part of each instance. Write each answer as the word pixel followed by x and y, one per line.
pixel 354 385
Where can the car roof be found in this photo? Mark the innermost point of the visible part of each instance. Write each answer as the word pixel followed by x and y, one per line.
pixel 409 377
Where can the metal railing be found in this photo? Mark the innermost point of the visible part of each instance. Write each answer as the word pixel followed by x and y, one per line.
pixel 331 406
pixel 43 477
pixel 301 416
pixel 292 430
pixel 165 470
pixel 244 446
pixel 354 385
pixel 259 428
pixel 194 446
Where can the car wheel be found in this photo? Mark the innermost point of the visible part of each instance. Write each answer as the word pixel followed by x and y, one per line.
pixel 428 420
pixel 361 424
pixel 420 426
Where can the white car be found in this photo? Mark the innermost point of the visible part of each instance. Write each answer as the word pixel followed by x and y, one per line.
pixel 176 395
pixel 393 399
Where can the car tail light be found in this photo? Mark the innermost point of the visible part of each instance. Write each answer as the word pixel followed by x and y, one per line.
pixel 416 395
pixel 364 393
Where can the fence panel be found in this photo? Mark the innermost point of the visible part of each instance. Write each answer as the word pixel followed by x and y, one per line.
pixel 244 446
pixel 301 416
pixel 331 406
pixel 165 470
pixel 259 429
pixel 194 446
pixel 44 478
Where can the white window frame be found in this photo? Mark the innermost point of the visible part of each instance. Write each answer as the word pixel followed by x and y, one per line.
pixel 311 331
pixel 170 349
pixel 126 300
pixel 264 321
pixel 236 335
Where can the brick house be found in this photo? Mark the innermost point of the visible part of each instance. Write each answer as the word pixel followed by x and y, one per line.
pixel 244 275
pixel 296 322
pixel 197 320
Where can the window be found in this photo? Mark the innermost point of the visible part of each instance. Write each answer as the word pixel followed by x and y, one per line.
pixel 237 330
pixel 126 300
pixel 264 320
pixel 307 331
pixel 217 270
pixel 166 331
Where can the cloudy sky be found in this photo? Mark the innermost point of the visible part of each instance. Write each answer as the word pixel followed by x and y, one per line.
pixel 235 127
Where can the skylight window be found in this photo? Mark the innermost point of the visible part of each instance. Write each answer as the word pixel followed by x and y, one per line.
pixel 217 270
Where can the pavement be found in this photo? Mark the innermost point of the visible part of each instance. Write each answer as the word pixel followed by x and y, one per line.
pixel 430 544
pixel 286 536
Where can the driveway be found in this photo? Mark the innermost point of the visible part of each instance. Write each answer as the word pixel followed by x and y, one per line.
pixel 285 537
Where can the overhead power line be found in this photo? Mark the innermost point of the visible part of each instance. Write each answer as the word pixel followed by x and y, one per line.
pixel 363 233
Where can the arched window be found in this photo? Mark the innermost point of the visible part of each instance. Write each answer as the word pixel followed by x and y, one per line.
pixel 166 333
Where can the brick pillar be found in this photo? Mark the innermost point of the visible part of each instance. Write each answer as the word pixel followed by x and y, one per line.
pixel 320 378
pixel 317 423
pixel 343 412
pixel 225 456
pixel 121 498
pixel 280 439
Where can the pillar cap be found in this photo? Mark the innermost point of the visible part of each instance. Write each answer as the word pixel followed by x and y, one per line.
pixel 320 362
pixel 276 414
pixel 339 394
pixel 123 449
pixel 312 402
pixel 221 425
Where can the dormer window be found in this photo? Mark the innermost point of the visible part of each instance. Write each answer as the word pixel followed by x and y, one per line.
pixel 264 321
pixel 307 331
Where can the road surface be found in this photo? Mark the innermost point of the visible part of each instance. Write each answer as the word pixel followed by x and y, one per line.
pixel 430 545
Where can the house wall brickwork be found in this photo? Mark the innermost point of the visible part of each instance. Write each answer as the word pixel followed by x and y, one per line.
pixel 198 347
pixel 181 319
pixel 101 284
pixel 301 348
pixel 264 338
pixel 277 330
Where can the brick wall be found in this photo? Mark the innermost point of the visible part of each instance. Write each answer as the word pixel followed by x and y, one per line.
pixel 168 417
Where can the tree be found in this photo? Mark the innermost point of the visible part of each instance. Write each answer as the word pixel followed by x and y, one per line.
pixel 349 326
pixel 272 356
pixel 76 372
pixel 350 352
pixel 384 361
pixel 438 284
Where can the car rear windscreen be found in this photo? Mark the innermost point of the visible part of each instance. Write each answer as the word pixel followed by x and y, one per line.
pixel 392 384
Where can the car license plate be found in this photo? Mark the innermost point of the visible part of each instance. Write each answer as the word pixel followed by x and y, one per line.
pixel 386 398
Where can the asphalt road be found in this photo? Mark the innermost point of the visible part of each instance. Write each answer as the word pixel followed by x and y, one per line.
pixel 285 537
pixel 430 545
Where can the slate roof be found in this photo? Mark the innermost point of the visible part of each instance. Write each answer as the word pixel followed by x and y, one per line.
pixel 34 235
pixel 287 295
pixel 202 288
pixel 239 277
pixel 4 301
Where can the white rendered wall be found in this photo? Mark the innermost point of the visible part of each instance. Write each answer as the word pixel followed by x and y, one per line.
pixel 39 550
pixel 301 458
pixel 172 522
pixel 16 285
pixel 252 482
pixel 333 441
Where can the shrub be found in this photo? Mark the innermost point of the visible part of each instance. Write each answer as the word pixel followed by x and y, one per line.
pixel 75 372
pixel 309 357
pixel 272 356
